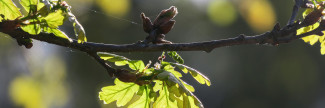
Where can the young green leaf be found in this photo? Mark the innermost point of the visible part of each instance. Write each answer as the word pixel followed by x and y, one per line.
pixel 80 32
pixel 9 10
pixel 33 29
pixel 176 57
pixel 118 60
pixel 171 69
pixel 120 92
pixel 31 5
pixel 195 73
pixel 57 33
pixel 144 101
pixel 137 65
pixel 164 101
pixel 54 19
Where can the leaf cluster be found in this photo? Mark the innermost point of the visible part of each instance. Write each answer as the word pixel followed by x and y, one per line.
pixel 157 86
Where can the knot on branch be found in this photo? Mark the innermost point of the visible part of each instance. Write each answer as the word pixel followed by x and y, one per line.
pixel 11 27
pixel 161 26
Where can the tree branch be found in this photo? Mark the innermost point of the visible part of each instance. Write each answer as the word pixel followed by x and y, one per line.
pixel 274 37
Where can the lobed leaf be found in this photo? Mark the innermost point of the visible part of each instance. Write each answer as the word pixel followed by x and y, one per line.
pixel 176 57
pixel 144 101
pixel 33 28
pixel 57 33
pixel 195 73
pixel 9 10
pixel 121 92
pixel 178 90
pixel 31 5
pixel 54 19
pixel 118 60
pixel 137 65
pixel 164 101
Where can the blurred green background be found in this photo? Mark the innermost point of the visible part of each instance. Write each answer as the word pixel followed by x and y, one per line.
pixel 247 76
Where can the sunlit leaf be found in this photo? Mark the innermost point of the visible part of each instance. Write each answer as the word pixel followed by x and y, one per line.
pixel 9 10
pixel 170 68
pixel 322 50
pixel 195 73
pixel 54 19
pixel 137 65
pixel 306 12
pixel 57 33
pixel 164 101
pixel 120 92
pixel 33 28
pixel 144 101
pixel 79 32
pixel 35 5
pixel 307 29
pixel 118 60
pixel 176 57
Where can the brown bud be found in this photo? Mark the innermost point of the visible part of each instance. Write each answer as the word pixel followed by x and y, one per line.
pixel 165 28
pixel 165 16
pixel 147 24
pixel 160 40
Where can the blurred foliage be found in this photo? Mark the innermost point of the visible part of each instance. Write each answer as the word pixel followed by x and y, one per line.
pixel 44 88
pixel 222 12
pixel 116 8
pixel 259 14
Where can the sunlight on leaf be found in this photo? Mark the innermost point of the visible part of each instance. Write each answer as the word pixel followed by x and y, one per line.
pixel 176 57
pixel 28 4
pixel 57 33
pixel 120 92
pixel 54 19
pixel 9 10
pixel 118 60
pixel 164 101
pixel 33 29
pixel 196 74
pixel 322 50
pixel 144 101
pixel 137 65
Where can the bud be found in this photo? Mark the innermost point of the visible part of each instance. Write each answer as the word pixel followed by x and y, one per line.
pixel 147 24
pixel 165 28
pixel 165 16
pixel 125 75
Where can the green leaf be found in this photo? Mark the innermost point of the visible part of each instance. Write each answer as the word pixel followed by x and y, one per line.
pixel 195 73
pixel 306 12
pixel 164 101
pixel 137 65
pixel 120 92
pixel 144 101
pixel 9 10
pixel 57 33
pixel 171 69
pixel 118 60
pixel 33 28
pixel 54 19
pixel 322 49
pixel 31 5
pixel 80 32
pixel 176 57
